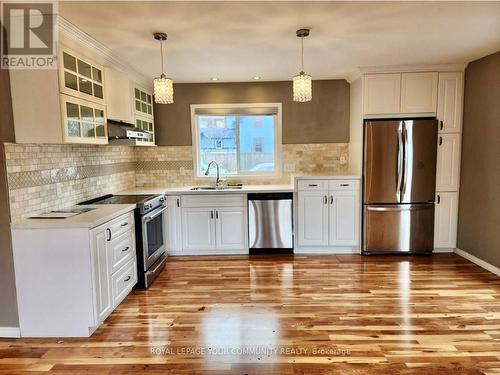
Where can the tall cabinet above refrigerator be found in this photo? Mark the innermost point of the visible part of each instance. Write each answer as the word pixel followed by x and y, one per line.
pixel 399 179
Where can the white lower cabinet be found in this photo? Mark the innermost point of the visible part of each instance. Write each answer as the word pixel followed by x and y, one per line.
pixel 231 227
pixel 344 218
pixel 102 274
pixel 448 162
pixel 173 226
pixel 446 219
pixel 312 226
pixel 214 224
pixel 198 228
pixel 69 280
pixel 328 218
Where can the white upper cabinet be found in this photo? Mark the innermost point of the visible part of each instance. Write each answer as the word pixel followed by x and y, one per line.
pixel 382 93
pixel 419 92
pixel 118 98
pixel 446 218
pixel 450 99
pixel 448 162
pixel 80 77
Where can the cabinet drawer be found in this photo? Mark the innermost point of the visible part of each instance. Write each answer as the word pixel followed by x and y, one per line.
pixel 123 281
pixel 122 249
pixel 307 185
pixel 214 200
pixel 343 185
pixel 121 225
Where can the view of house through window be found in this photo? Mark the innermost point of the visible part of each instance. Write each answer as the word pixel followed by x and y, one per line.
pixel 242 142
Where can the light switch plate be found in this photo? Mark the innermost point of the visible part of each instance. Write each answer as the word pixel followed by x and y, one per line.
pixel 182 171
pixel 289 167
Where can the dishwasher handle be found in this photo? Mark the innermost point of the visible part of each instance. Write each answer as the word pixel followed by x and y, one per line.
pixel 269 196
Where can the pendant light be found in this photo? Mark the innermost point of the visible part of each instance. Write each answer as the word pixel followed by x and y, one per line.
pixel 302 83
pixel 163 86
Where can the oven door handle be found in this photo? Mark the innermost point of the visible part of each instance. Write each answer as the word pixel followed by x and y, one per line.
pixel 154 214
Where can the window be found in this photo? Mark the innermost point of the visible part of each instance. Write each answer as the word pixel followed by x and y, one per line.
pixel 244 139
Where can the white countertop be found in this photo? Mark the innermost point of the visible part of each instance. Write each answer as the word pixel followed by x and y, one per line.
pixel 187 190
pixel 90 219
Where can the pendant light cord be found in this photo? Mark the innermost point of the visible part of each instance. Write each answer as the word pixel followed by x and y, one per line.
pixel 161 52
pixel 302 54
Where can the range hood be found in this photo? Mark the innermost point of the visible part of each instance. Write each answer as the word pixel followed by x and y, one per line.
pixel 123 133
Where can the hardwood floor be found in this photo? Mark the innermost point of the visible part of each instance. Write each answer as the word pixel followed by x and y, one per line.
pixel 289 315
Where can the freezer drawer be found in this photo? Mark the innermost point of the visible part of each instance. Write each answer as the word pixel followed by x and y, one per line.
pixel 407 228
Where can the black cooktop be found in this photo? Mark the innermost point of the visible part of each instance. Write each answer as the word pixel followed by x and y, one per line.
pixel 117 199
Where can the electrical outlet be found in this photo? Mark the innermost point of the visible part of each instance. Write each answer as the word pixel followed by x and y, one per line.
pixel 182 171
pixel 289 167
pixel 343 160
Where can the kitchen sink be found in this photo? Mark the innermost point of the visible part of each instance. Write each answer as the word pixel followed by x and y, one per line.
pixel 218 188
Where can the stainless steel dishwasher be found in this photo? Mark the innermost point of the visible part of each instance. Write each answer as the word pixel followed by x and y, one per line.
pixel 270 223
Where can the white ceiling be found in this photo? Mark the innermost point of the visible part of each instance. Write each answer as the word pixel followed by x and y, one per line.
pixel 238 40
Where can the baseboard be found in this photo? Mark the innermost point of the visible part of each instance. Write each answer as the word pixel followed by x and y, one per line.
pixel 326 250
pixel 10 332
pixel 481 263
pixel 439 251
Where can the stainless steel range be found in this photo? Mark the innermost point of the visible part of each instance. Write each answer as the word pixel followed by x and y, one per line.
pixel 149 232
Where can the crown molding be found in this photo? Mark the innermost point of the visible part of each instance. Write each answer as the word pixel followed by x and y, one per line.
pixel 72 32
pixel 413 68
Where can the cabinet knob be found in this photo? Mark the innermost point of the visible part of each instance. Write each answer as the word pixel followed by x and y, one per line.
pixel 126 249
pixel 127 279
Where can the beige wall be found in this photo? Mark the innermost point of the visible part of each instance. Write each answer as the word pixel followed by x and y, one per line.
pixel 479 207
pixel 8 302
pixel 323 120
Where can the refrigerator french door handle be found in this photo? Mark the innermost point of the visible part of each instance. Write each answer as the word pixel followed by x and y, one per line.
pixel 405 160
pixel 400 161
pixel 406 207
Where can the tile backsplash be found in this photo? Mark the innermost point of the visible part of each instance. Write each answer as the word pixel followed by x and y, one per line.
pixel 161 166
pixel 44 177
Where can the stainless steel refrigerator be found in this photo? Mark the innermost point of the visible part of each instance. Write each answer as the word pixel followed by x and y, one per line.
pixel 399 182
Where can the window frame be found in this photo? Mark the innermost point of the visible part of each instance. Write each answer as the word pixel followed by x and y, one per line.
pixel 277 173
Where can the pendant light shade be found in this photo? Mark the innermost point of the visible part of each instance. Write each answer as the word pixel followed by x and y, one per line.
pixel 163 90
pixel 163 87
pixel 302 83
pixel 302 88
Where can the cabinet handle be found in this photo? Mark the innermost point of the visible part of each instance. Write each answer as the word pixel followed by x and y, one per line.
pixel 109 234
pixel 126 249
pixel 344 184
pixel 440 141
pixel 439 199
pixel 124 224
pixel 212 214
pixel 312 185
pixel 128 278
pixel 331 199
pixel 178 202
pixel 326 199
pixel 441 125
pixel 217 214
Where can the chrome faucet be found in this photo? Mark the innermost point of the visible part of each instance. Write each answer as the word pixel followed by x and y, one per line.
pixel 217 178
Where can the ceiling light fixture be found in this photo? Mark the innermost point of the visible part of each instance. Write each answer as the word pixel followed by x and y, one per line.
pixel 302 83
pixel 214 79
pixel 256 78
pixel 163 86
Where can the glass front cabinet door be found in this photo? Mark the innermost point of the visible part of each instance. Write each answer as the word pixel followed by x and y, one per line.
pixel 83 121
pixel 143 111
